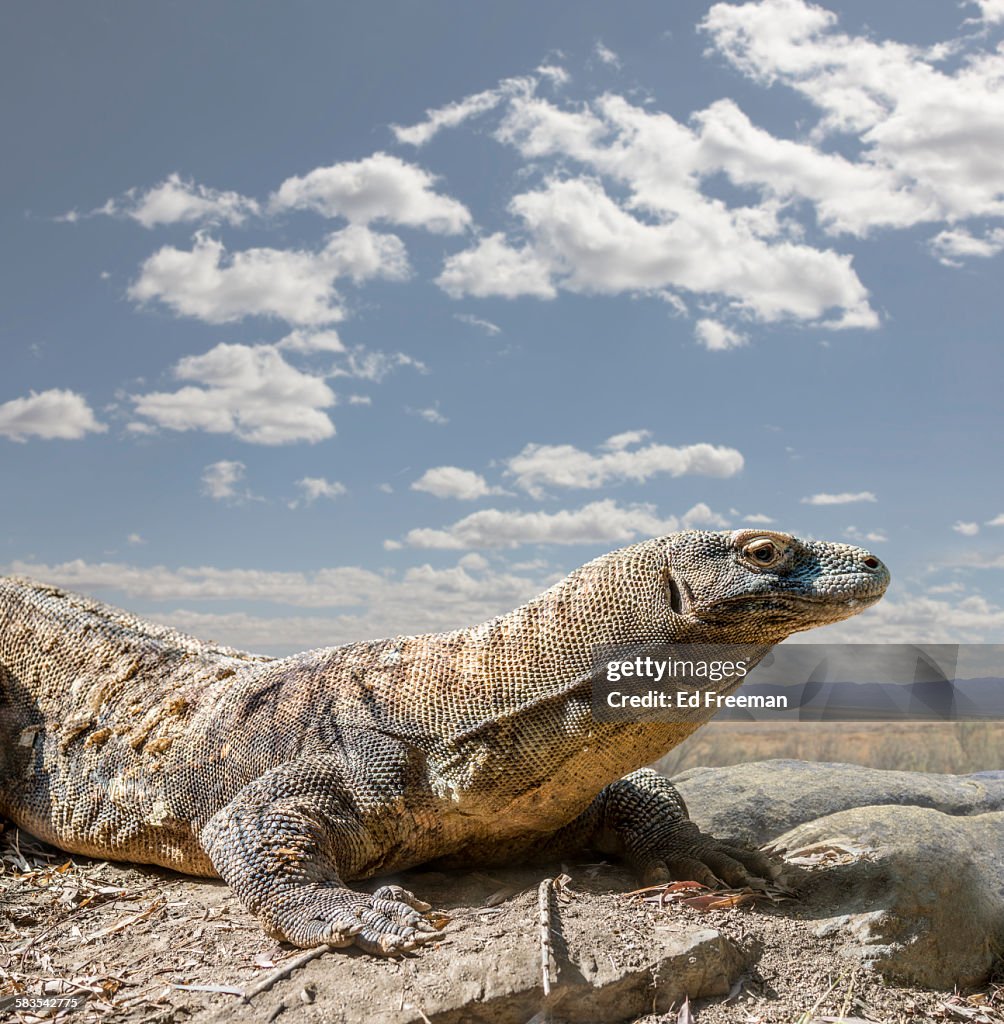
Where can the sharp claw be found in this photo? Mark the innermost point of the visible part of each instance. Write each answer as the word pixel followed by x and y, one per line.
pixel 401 895
pixel 343 927
pixel 389 943
pixel 384 924
pixel 398 894
pixel 402 911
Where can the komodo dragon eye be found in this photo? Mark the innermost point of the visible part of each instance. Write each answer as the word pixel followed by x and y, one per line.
pixel 763 552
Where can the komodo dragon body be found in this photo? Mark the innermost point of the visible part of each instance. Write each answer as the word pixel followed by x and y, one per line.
pixel 290 777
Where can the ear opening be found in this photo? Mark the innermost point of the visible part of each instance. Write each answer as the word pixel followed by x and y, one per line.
pixel 675 597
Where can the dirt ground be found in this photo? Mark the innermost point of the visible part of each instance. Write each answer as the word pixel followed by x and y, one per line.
pixel 138 945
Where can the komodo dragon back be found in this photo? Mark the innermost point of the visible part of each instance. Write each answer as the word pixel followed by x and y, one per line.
pixel 291 777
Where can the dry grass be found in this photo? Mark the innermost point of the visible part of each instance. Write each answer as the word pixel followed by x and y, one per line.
pixel 949 747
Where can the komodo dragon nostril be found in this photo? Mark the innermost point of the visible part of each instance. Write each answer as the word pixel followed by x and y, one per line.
pixel 871 562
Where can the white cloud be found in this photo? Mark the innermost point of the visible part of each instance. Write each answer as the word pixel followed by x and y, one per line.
pixel 701 517
pixel 360 254
pixel 454 114
pixel 224 480
pixel 538 129
pixel 843 498
pixel 922 620
pixel 938 133
pixel 688 240
pixel 475 321
pixel 625 439
pixel 297 286
pixel 249 391
pixel 981 561
pixel 453 482
pixel 928 142
pixel 374 366
pixel 848 197
pixel 966 529
pixel 493 267
pixel 554 73
pixel 758 519
pixel 135 540
pixel 947 588
pixel 430 414
pixel 379 188
pixel 56 414
pixel 315 487
pixel 991 11
pixel 597 522
pixel 596 246
pixel 581 239
pixel 606 55
pixel 256 394
pixel 996 521
pixel 417 600
pixel 953 246
pixel 588 243
pixel 717 337
pixel 678 306
pixel 539 466
pixel 330 587
pixel 179 201
pixel 307 341
pixel 865 536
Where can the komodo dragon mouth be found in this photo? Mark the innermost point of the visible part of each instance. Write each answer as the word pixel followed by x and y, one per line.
pixel 291 777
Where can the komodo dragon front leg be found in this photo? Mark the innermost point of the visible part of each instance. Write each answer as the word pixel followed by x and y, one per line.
pixel 643 819
pixel 287 840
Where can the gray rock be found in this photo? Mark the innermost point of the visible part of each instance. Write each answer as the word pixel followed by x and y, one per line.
pixel 757 802
pixel 616 960
pixel 914 882
pixel 593 985
pixel 922 896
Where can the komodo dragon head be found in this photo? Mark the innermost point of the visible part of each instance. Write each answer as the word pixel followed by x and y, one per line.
pixel 701 586
pixel 759 586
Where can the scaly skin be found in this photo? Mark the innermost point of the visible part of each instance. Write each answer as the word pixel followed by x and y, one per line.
pixel 291 777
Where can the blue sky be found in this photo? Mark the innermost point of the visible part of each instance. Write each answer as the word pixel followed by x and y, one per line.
pixel 323 322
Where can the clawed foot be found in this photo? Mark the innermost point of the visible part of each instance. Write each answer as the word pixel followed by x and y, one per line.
pixel 713 863
pixel 386 923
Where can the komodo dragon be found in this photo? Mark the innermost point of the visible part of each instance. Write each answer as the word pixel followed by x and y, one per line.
pixel 290 777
